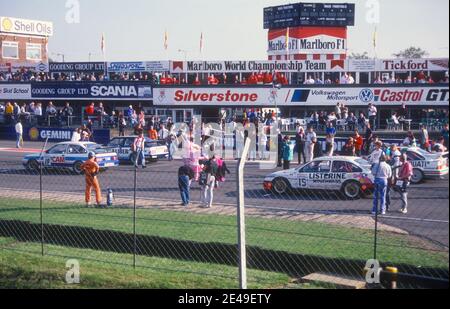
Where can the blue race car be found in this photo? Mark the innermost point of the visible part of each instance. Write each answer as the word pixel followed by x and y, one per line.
pixel 70 155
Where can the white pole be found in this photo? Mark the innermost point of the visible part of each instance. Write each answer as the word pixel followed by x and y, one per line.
pixel 241 217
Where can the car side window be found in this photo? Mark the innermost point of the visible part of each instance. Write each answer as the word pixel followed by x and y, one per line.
pixel 345 167
pixel 413 156
pixel 128 142
pixel 58 149
pixel 317 167
pixel 117 142
pixel 76 149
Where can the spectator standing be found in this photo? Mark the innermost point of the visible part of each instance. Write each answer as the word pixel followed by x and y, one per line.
pixel 349 148
pixel 311 140
pixel 377 153
pixel 76 136
pixel 288 153
pixel 122 125
pixel 208 182
pixel 368 137
pixel 381 172
pixel 300 140
pixel 152 133
pixel 410 140
pixel 351 121
pixel 262 144
pixel 358 141
pixel 338 111
pixel 373 115
pixel 139 150
pixel 445 135
pixel 331 133
pixel 19 134
pixel 424 138
pixel 404 176
pixel 185 176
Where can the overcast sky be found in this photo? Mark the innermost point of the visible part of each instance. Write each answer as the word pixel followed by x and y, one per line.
pixel 232 29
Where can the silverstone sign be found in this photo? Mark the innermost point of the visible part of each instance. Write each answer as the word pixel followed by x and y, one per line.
pixel 354 96
pixel 91 90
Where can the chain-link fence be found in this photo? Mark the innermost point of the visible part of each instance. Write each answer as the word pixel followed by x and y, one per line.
pixel 292 227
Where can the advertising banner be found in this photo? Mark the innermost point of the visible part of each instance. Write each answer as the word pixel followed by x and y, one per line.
pixel 77 67
pixel 34 66
pixel 307 40
pixel 92 90
pixel 263 96
pixel 138 66
pixel 15 91
pixel 404 65
pixel 293 66
pixel 25 26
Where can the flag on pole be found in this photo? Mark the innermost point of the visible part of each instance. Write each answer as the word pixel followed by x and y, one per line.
pixel 375 37
pixel 201 42
pixel 103 44
pixel 287 43
pixel 166 40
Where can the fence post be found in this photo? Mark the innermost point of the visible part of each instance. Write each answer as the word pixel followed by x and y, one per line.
pixel 41 210
pixel 134 216
pixel 241 216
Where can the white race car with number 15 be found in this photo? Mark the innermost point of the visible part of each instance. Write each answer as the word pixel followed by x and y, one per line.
pixel 350 175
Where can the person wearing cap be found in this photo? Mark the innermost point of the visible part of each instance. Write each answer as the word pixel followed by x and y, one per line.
pixel 91 170
pixel 381 171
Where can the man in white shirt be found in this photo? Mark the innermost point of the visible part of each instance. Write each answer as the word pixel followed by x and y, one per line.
pixel 381 172
pixel 373 116
pixel 76 136
pixel 163 133
pixel 350 79
pixel 311 140
pixel 375 156
pixel 19 134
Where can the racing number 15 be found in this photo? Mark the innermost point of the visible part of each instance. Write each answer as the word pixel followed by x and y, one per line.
pixel 302 182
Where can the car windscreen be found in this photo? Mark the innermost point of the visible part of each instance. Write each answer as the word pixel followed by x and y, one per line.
pixel 362 162
pixel 97 148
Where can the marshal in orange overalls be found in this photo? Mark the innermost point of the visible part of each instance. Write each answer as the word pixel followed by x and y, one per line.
pixel 91 169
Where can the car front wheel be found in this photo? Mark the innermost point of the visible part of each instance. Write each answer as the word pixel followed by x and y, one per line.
pixel 32 165
pixel 281 186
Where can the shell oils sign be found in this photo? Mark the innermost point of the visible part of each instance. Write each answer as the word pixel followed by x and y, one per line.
pixel 25 26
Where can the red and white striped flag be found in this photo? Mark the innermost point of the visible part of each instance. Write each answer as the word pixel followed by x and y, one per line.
pixel 166 40
pixel 103 44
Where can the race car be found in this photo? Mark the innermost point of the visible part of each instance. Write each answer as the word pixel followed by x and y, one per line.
pixel 350 175
pixel 154 150
pixel 70 155
pixel 426 165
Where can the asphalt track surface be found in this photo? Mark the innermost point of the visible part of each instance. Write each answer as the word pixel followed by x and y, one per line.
pixel 428 215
